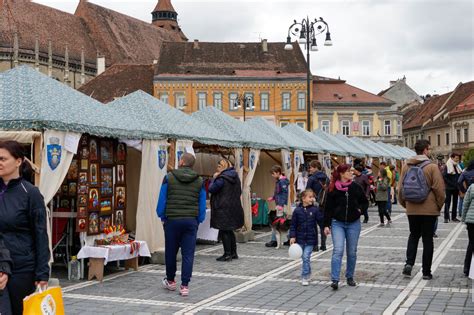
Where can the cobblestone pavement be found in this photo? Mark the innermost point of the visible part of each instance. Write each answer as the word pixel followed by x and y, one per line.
pixel 265 281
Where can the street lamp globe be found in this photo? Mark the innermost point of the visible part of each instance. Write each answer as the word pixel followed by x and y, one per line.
pixel 289 45
pixel 328 41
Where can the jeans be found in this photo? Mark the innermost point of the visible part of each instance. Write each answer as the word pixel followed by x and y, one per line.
pixel 460 205
pixel 321 232
pixel 421 226
pixel 389 202
pixel 470 248
pixel 454 195
pixel 306 267
pixel 348 233
pixel 382 206
pixel 180 233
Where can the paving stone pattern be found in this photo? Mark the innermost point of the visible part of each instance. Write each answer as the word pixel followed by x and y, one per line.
pixel 265 281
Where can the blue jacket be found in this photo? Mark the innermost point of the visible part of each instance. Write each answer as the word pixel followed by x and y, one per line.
pixel 465 180
pixel 161 207
pixel 316 181
pixel 304 224
pixel 281 191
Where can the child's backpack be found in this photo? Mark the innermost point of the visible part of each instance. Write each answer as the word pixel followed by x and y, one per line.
pixel 415 188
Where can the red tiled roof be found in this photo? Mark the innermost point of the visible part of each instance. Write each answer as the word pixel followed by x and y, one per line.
pixel 424 112
pixel 338 91
pixel 465 106
pixel 164 5
pixel 120 80
pixel 229 59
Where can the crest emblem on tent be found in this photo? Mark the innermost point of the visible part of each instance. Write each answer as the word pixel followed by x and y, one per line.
pixel 297 161
pixel 53 150
pixel 241 160
pixel 287 161
pixel 179 153
pixel 161 158
pixel 252 160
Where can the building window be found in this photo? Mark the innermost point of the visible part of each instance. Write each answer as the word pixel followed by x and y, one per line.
pixel 164 97
pixel 458 135
pixel 233 102
pixel 406 142
pixel 412 141
pixel 285 99
pixel 438 139
pixel 264 102
pixel 387 127
pixel 218 100
pixel 365 128
pixel 346 127
pixel 447 138
pixel 180 100
pixel 399 127
pixel 301 124
pixel 326 126
pixel 202 100
pixel 429 139
pixel 301 101
pixel 466 135
pixel 248 102
pixel 284 123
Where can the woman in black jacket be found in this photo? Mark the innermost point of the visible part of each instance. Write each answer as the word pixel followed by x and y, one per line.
pixel 5 272
pixel 227 213
pixel 344 205
pixel 23 225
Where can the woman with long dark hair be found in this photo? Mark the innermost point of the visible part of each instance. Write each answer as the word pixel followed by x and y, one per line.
pixel 344 204
pixel 23 226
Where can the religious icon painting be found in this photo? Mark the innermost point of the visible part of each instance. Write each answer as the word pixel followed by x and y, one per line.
pixel 106 184
pixel 73 170
pixel 84 164
pixel 72 189
pixel 104 222
pixel 82 178
pixel 121 152
pixel 93 223
pixel 81 224
pixel 93 150
pixel 94 174
pixel 84 140
pixel 93 203
pixel 120 174
pixel 64 203
pixel 85 153
pixel 82 189
pixel 120 197
pixel 81 212
pixel 82 200
pixel 64 189
pixel 119 218
pixel 106 153
pixel 105 205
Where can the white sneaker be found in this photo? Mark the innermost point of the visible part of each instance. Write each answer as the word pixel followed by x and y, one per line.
pixel 305 282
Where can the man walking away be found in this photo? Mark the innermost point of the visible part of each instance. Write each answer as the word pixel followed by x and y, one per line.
pixel 181 207
pixel 421 193
pixel 451 175
pixel 363 181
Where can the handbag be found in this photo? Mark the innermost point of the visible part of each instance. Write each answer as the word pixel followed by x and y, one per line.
pixel 45 302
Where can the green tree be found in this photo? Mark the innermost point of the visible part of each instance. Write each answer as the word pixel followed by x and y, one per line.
pixel 468 156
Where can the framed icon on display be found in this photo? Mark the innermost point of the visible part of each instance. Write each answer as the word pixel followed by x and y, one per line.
pixel 106 152
pixel 106 184
pixel 93 203
pixel 120 197
pixel 93 150
pixel 93 223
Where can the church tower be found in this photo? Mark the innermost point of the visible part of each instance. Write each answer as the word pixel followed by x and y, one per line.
pixel 165 16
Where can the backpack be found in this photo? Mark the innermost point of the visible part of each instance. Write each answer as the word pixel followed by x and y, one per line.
pixel 415 188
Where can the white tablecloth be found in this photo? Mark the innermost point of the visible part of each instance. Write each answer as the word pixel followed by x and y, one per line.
pixel 205 232
pixel 113 252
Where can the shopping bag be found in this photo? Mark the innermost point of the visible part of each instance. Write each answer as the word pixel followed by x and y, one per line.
pixel 44 302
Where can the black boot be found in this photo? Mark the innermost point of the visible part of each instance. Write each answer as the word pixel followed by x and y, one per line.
pixel 233 246
pixel 271 244
pixel 226 242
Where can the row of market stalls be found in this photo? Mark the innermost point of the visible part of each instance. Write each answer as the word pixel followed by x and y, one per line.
pixel 100 165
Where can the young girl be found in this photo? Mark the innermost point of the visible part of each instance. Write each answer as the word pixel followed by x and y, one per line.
pixel 280 197
pixel 304 230
pixel 383 185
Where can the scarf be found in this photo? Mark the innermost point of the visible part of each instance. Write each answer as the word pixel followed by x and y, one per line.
pixel 343 186
pixel 452 167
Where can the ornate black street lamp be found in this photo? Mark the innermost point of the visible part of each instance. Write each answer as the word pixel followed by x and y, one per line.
pixel 244 101
pixel 307 31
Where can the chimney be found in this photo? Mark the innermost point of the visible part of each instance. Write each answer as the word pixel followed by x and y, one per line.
pixel 155 61
pixel 264 45
pixel 392 83
pixel 100 65
pixel 196 44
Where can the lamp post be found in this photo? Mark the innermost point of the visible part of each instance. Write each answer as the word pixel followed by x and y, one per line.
pixel 244 101
pixel 307 30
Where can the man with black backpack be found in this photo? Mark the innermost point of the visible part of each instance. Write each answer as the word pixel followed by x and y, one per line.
pixel 421 193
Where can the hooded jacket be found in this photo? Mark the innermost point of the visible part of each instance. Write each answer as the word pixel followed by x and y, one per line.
pixel 345 206
pixel 280 194
pixel 435 200
pixel 226 205
pixel 23 226
pixel 465 180
pixel 304 224
pixel 316 182
pixel 468 206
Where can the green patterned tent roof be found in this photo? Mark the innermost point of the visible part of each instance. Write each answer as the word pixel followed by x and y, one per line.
pixel 282 136
pixel 408 153
pixel 320 142
pixel 380 150
pixel 348 150
pixel 30 100
pixel 231 127
pixel 155 117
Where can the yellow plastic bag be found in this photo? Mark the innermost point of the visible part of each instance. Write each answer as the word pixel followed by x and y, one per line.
pixel 47 302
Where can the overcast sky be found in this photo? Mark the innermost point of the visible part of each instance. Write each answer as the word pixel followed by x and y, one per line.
pixel 431 42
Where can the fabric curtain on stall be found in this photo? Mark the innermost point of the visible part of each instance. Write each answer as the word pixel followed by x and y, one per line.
pixel 254 156
pixel 239 163
pixel 297 161
pixel 58 150
pixel 153 170
pixel 287 169
pixel 326 163
pixel 20 136
pixel 183 146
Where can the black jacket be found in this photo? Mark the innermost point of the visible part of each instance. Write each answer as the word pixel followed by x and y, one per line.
pixel 450 180
pixel 345 206
pixel 5 259
pixel 316 182
pixel 226 206
pixel 23 225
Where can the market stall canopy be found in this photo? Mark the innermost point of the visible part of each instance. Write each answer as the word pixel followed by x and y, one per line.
pixel 369 151
pixel 395 154
pixel 381 151
pixel 407 151
pixel 155 117
pixel 402 153
pixel 339 144
pixel 231 127
pixel 30 100
pixel 319 142
pixel 281 135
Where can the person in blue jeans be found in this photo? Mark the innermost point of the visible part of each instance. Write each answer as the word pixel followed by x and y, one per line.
pixel 304 230
pixel 181 207
pixel 344 205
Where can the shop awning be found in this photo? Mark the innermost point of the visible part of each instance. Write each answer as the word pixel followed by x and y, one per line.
pixel 313 139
